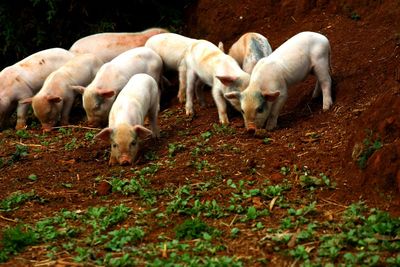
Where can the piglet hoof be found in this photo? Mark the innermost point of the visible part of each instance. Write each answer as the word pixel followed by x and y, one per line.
pixel 326 106
pixel 20 127
pixel 189 112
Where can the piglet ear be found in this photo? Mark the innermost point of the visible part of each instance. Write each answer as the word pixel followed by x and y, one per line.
pixel 271 97
pixel 25 101
pixel 53 98
pixel 221 46
pixel 105 93
pixel 232 96
pixel 141 131
pixel 227 80
pixel 77 88
pixel 104 134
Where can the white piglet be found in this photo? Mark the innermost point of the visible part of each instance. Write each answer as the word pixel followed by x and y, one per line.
pixel 205 61
pixel 54 101
pixel 172 48
pixel 140 97
pixel 304 53
pixel 24 79
pixel 99 95
pixel 249 49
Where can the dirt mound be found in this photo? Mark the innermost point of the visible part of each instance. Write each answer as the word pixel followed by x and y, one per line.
pixel 375 144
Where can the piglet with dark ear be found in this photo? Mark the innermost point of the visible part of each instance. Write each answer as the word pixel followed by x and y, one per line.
pixel 138 99
pixel 24 79
pixel 303 54
pixel 54 101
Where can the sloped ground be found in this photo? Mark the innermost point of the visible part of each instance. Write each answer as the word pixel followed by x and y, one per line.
pixel 200 160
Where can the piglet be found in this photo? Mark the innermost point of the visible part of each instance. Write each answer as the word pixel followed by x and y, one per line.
pixel 57 95
pixel 249 49
pixel 139 97
pixel 99 95
pixel 304 53
pixel 171 47
pixel 24 79
pixel 205 61
pixel 108 45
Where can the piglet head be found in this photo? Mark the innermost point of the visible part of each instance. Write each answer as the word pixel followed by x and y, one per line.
pixel 124 141
pixel 97 104
pixel 253 106
pixel 47 109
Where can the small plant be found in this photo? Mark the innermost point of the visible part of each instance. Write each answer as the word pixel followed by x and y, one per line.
pixel 14 240
pixel 16 198
pixel 71 145
pixel 22 133
pixel 311 182
pixel 174 148
pixel 355 16
pixel 89 135
pixel 206 135
pixel 267 140
pixel 32 177
pixel 200 165
pixel 194 228
pixel 65 131
pixel 300 252
pixel 285 170
pixel 369 148
pixel 122 237
pixel 222 128
pixel 20 152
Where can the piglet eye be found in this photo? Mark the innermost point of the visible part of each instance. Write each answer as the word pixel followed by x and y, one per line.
pixel 133 143
pixel 114 145
pixel 241 111
pixel 260 109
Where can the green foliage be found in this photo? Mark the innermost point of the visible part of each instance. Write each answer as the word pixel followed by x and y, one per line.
pixel 370 146
pixel 21 151
pixel 355 16
pixel 32 177
pixel 14 240
pixel 89 135
pixel 194 228
pixel 122 237
pixel 11 202
pixel 267 140
pixel 22 133
pixel 72 144
pixel 311 182
pixel 223 129
pixel 174 148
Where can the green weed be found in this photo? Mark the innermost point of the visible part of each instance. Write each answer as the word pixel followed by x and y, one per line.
pixel 17 198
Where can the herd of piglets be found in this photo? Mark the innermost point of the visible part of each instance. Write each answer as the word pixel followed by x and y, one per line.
pixel 120 77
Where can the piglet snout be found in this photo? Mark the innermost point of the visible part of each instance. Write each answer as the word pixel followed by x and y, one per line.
pixel 125 160
pixel 251 127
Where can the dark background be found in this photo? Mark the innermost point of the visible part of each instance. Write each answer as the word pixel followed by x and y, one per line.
pixel 28 26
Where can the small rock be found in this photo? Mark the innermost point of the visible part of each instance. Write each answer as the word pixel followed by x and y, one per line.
pixel 103 188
